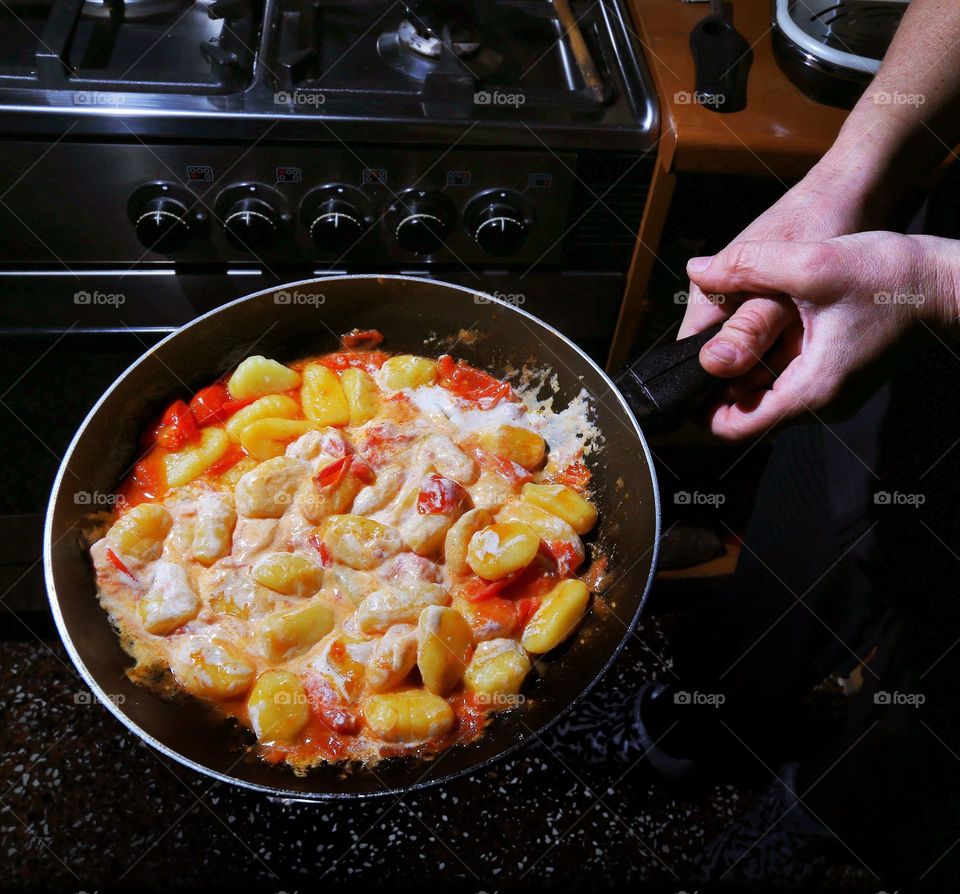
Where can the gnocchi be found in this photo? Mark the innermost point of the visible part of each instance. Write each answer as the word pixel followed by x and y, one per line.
pixel 443 640
pixel 170 602
pixel 274 406
pixel 497 671
pixel 563 502
pixel 141 531
pixel 399 603
pixel 213 669
pixel 267 490
pixel 557 617
pixel 411 715
pixel 519 445
pixel 191 462
pixel 393 657
pixel 322 395
pixel 216 519
pixel 354 556
pixel 458 538
pixel 360 542
pixel 408 371
pixel 267 438
pixel 289 574
pixel 278 706
pixel 257 376
pixel 292 632
pixel 500 550
pixel 362 395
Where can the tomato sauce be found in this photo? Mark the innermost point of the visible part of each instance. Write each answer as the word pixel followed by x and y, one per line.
pixel 147 482
pixel 369 361
pixel 576 475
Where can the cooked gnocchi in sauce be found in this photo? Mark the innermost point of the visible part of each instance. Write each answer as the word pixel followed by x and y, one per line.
pixel 355 556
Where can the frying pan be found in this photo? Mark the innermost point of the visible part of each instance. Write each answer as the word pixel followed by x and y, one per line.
pixel 416 316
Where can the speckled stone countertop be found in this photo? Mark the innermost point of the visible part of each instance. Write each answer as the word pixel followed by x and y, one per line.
pixel 86 806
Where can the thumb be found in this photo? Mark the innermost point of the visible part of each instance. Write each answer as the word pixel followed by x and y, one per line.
pixel 786 268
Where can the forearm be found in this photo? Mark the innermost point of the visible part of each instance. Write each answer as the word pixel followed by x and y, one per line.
pixel 907 120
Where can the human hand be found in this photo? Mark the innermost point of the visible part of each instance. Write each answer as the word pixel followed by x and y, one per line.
pixel 827 310
pixel 832 200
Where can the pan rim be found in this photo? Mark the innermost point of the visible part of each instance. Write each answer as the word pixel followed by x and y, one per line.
pixel 289 795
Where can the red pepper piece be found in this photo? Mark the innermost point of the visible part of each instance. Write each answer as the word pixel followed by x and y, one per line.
pixel 362 339
pixel 576 475
pixel 341 720
pixel 207 404
pixel 362 470
pixel 439 495
pixel 332 473
pixel 563 553
pixel 229 459
pixel 472 384
pixel 114 560
pixel 326 560
pixel 178 427
pixel 477 592
pixel 526 609
pixel 214 404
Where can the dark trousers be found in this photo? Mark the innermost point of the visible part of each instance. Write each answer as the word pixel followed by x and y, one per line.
pixel 851 565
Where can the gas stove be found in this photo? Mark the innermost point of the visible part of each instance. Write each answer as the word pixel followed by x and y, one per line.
pixel 161 157
pixel 282 133
pixel 182 68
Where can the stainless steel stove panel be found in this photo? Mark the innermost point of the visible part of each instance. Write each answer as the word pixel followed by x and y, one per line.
pixel 235 75
pixel 71 206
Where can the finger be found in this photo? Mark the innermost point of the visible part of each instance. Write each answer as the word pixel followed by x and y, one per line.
pixel 807 384
pixel 758 412
pixel 774 362
pixel 746 336
pixel 701 313
pixel 787 268
pixel 760 378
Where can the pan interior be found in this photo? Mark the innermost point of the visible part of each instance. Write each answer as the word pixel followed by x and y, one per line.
pixel 299 320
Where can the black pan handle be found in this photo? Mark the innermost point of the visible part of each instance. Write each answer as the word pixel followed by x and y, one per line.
pixel 668 383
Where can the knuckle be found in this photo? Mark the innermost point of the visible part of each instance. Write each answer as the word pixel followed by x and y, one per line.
pixel 742 259
pixel 749 326
pixel 817 258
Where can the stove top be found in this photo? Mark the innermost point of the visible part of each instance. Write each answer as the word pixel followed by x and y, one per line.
pixel 149 65
pixel 189 47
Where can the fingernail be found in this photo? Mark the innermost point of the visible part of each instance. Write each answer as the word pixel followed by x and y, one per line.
pixel 723 352
pixel 698 265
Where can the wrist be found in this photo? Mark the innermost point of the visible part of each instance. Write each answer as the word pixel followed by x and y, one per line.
pixel 858 183
pixel 938 278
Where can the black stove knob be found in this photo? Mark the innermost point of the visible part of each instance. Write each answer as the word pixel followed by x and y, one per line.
pixel 250 222
pixel 498 222
pixel 421 221
pixel 164 223
pixel 336 226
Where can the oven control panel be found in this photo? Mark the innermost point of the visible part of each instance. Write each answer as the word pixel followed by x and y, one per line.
pixel 134 204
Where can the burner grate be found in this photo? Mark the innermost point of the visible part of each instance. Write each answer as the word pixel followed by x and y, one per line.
pixel 155 46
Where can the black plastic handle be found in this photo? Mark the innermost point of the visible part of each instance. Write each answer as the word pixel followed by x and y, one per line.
pixel 668 384
pixel 722 60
